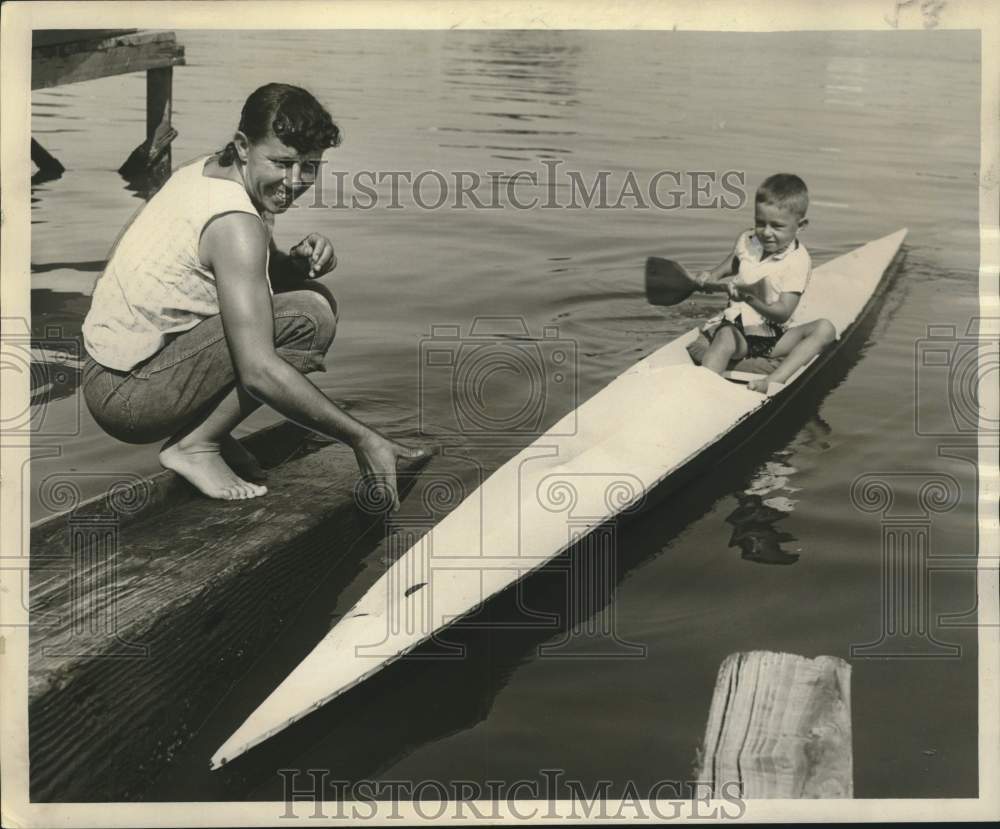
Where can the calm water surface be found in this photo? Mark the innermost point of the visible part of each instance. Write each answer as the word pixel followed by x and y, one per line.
pixel 885 130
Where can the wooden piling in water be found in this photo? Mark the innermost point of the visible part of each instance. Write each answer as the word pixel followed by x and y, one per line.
pixel 779 727
pixel 67 56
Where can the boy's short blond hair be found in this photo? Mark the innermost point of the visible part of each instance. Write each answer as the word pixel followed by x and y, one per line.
pixel 785 190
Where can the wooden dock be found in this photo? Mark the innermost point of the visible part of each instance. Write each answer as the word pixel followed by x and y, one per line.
pixel 148 602
pixel 65 56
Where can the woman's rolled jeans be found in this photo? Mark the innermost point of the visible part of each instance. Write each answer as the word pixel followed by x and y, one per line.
pixel 194 371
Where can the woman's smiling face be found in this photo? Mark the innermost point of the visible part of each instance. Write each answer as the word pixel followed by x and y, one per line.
pixel 274 174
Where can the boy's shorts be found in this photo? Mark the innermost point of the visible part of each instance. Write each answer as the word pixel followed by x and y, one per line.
pixel 758 345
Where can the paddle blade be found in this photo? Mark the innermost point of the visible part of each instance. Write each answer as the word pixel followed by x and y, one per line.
pixel 667 283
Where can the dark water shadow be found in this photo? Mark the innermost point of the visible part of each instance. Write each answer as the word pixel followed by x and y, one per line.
pixel 93 266
pixel 754 531
pixel 145 184
pixel 42 176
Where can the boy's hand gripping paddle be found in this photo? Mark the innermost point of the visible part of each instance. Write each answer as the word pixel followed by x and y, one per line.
pixel 667 282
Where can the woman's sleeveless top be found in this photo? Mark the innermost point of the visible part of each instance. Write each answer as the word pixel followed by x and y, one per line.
pixel 155 284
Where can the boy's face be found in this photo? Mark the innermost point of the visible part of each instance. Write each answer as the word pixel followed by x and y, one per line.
pixel 776 226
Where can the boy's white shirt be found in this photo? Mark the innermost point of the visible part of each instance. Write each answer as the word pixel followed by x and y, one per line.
pixel 786 271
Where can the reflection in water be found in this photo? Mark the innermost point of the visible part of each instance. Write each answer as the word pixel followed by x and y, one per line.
pixel 145 183
pixel 754 519
pixel 815 435
pixel 766 500
pixel 755 534
pixel 47 166
pixel 44 174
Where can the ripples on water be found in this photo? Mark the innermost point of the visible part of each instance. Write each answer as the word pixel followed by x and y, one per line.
pixel 885 130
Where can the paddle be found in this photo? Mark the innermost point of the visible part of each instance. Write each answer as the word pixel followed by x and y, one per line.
pixel 667 282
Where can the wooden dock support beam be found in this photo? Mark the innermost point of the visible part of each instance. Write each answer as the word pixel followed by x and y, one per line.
pixel 779 727
pixel 152 156
pixel 69 56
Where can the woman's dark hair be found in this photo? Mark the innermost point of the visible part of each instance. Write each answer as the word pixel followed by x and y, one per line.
pixel 291 114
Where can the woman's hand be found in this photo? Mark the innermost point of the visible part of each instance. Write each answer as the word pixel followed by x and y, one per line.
pixel 377 457
pixel 317 251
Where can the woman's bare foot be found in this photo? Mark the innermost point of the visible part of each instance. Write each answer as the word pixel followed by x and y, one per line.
pixel 203 467
pixel 242 462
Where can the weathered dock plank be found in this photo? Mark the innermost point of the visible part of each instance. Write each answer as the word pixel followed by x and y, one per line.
pixel 73 61
pixel 52 37
pixel 139 627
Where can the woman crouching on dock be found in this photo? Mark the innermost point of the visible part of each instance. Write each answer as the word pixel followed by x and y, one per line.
pixel 198 318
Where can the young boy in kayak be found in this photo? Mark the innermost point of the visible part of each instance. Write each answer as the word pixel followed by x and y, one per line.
pixel 764 276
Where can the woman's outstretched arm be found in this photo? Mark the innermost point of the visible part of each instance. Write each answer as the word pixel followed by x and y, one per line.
pixel 234 246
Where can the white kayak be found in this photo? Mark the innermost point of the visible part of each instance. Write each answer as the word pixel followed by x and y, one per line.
pixel 643 428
